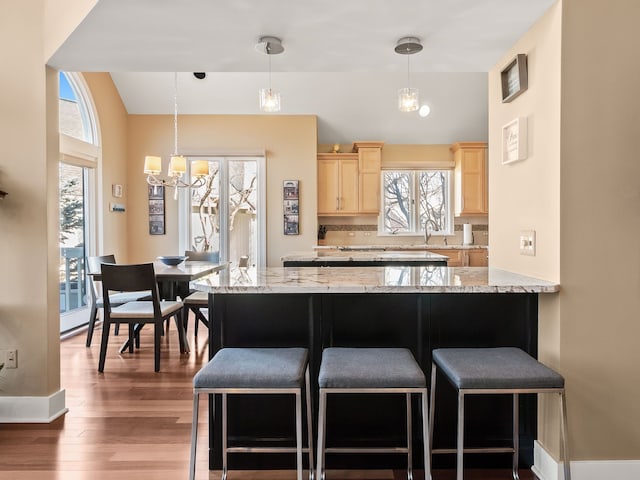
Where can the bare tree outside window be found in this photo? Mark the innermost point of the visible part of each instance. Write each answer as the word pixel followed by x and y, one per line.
pixel 415 200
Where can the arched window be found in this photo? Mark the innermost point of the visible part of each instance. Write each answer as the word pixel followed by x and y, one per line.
pixel 79 157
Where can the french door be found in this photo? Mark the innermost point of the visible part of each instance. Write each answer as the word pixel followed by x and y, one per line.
pixel 226 214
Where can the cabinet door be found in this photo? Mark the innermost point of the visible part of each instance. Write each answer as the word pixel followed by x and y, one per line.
pixel 456 257
pixel 369 162
pixel 348 195
pixel 328 186
pixel 470 179
pixel 473 182
pixel 478 258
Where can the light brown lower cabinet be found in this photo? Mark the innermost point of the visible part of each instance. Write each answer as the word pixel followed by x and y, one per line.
pixel 465 258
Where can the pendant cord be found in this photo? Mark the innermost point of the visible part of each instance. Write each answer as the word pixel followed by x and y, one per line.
pixel 269 55
pixel 408 69
pixel 175 113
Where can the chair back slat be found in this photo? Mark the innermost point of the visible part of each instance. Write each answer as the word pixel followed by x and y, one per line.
pixel 93 263
pixel 129 278
pixel 213 257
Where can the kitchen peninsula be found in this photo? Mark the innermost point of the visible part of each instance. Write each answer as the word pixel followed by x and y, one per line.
pixel 420 308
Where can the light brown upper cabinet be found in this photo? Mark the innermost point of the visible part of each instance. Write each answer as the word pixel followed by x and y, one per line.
pixel 349 183
pixel 470 178
pixel 369 165
pixel 337 184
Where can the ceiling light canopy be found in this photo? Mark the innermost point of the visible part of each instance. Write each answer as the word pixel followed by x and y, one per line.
pixel 408 98
pixel 269 99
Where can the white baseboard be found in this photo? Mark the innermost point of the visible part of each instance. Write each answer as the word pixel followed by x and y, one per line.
pixel 32 409
pixel 547 468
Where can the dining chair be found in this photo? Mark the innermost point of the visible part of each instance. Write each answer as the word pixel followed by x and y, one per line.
pixel 136 278
pixel 96 302
pixel 196 301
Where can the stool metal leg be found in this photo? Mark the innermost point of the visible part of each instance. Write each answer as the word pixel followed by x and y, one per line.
pixel 309 422
pixel 299 434
pixel 224 436
pixel 432 402
pixel 194 437
pixel 516 436
pixel 565 433
pixel 426 437
pixel 460 447
pixel 321 424
pixel 409 442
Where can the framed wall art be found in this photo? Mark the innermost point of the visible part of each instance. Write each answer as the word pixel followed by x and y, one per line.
pixel 156 210
pixel 514 140
pixel 291 206
pixel 514 78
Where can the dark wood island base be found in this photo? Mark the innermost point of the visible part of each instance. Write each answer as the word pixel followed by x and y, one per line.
pixel 253 314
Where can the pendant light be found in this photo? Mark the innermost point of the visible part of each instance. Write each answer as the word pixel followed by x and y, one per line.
pixel 408 98
pixel 177 163
pixel 269 99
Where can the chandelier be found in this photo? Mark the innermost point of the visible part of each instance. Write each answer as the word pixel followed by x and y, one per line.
pixel 408 100
pixel 177 163
pixel 269 99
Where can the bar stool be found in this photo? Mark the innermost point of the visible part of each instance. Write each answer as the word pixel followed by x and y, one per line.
pixel 494 371
pixel 371 370
pixel 255 371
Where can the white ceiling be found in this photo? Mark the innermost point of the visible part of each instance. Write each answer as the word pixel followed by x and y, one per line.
pixel 338 62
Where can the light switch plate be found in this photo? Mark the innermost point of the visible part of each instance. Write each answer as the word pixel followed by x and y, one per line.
pixel 528 242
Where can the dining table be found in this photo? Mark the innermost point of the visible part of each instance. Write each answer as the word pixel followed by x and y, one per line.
pixel 173 282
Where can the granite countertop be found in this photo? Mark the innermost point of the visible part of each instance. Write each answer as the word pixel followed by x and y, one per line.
pixel 414 247
pixel 389 279
pixel 364 255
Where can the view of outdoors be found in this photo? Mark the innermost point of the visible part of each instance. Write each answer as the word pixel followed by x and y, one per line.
pixel 415 200
pixel 209 203
pixel 72 238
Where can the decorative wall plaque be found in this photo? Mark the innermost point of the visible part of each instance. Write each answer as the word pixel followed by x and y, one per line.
pixel 514 78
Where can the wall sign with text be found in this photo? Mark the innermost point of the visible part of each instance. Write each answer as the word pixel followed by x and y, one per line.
pixel 514 140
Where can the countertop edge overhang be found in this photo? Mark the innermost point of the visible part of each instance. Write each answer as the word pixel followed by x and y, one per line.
pixel 372 280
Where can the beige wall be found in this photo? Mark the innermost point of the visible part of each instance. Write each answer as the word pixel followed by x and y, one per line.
pixel 29 319
pixel 290 146
pixel 579 190
pixel 600 200
pixel 112 117
pixel 526 195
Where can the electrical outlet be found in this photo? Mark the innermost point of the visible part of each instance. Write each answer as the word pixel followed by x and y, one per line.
pixel 528 242
pixel 11 359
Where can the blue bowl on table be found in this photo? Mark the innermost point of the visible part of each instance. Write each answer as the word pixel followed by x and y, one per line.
pixel 172 260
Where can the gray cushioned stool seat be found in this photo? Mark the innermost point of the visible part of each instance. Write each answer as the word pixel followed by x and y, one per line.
pixel 254 368
pixel 369 368
pixel 495 368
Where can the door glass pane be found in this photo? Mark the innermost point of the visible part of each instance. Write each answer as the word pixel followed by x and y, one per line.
pixel 205 212
pixel 73 291
pixel 243 202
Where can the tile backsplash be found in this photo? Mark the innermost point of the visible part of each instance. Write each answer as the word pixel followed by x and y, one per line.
pixel 367 234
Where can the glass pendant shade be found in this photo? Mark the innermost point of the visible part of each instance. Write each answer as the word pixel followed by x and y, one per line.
pixel 408 100
pixel 269 100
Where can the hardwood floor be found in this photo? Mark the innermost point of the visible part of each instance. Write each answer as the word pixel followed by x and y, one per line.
pixel 132 423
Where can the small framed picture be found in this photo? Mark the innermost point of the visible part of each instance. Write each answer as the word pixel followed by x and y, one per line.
pixel 156 210
pixel 291 206
pixel 116 190
pixel 514 78
pixel 514 140
pixel 291 190
pixel 291 225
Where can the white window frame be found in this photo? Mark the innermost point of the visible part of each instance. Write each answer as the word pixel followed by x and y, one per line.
pixel 87 154
pixel 415 228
